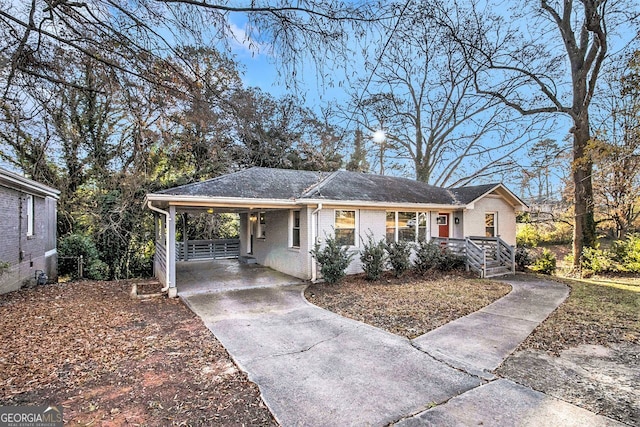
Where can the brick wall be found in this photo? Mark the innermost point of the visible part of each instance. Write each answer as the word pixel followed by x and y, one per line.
pixel 26 254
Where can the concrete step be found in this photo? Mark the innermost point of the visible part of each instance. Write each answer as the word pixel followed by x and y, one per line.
pixel 498 271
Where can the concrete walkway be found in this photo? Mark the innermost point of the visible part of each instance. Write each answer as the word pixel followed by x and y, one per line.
pixel 314 367
pixel 480 342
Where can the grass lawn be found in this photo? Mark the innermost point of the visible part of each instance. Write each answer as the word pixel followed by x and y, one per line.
pixel 112 360
pixel 598 311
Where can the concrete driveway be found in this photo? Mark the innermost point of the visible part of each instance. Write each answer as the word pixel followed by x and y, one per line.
pixel 314 367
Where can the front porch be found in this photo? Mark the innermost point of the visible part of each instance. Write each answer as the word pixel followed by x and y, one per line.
pixel 203 276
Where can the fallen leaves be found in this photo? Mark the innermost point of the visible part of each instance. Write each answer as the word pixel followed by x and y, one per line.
pixel 409 306
pixel 111 359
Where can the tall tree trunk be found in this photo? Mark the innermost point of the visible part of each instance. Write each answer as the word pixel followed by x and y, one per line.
pixel 584 231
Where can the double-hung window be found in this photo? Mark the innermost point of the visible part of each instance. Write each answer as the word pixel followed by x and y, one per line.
pixel 406 226
pixel 295 229
pixel 490 224
pixel 345 227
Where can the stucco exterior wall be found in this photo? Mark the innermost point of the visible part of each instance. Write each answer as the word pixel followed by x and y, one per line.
pixel 26 253
pixel 275 249
pixel 474 224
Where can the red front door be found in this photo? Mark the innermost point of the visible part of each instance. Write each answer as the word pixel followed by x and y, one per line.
pixel 443 224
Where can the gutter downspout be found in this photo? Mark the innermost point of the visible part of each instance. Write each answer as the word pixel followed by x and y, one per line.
pixel 314 235
pixel 167 251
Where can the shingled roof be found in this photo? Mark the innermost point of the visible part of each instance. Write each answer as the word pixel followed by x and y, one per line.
pixel 254 183
pixel 287 184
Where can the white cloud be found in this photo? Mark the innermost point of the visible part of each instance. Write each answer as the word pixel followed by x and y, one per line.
pixel 241 41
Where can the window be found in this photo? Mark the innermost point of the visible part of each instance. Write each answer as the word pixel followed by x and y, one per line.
pixel 30 215
pixel 423 220
pixel 345 227
pixel 391 227
pixel 407 226
pixel 295 229
pixel 442 219
pixel 490 224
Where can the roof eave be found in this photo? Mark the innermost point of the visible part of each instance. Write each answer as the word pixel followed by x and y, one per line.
pixel 183 200
pixel 20 183
pixel 380 204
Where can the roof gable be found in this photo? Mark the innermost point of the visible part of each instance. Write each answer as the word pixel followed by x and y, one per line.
pixel 470 194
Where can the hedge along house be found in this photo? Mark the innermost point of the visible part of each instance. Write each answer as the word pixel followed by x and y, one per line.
pixel 283 213
pixel 28 228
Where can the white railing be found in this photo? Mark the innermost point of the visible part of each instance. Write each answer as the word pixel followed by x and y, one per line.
pixel 208 249
pixel 159 262
pixel 486 256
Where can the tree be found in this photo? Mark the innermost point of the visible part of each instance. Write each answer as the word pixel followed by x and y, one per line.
pixel 358 160
pixel 545 59
pixel 423 95
pixel 616 150
pixel 547 158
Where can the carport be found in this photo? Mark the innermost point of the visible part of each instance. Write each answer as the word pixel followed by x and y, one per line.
pixel 202 276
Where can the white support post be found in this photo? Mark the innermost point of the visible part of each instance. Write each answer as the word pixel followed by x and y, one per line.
pixel 171 252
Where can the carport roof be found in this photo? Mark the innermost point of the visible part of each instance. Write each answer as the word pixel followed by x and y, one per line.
pixel 259 183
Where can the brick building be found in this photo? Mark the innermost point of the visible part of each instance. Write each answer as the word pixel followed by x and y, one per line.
pixel 27 231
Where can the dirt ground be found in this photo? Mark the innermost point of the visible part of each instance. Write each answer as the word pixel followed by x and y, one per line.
pixel 411 305
pixel 601 379
pixel 111 360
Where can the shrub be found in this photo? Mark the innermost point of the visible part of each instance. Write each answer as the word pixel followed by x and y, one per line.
pixel 627 253
pixel 449 261
pixel 545 263
pixel 333 259
pixel 373 258
pixel 596 260
pixel 428 256
pixel 399 257
pixel 71 248
pixel 523 258
pixel 528 236
pixel 97 270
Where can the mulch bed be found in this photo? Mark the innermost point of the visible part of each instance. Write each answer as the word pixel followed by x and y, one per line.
pixel 112 360
pixel 411 305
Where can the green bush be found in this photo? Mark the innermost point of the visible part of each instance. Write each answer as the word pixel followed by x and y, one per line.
pixel 596 260
pixel 545 263
pixel 399 254
pixel 449 261
pixel 528 236
pixel 333 259
pixel 627 253
pixel 428 256
pixel 373 258
pixel 97 270
pixel 70 248
pixel 523 258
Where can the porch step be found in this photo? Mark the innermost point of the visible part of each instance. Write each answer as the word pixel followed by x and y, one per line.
pixel 498 271
pixel 247 260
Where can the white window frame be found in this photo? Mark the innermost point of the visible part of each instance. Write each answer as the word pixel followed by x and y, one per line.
pixel 415 227
pixel 30 215
pixel 356 217
pixel 292 227
pixel 495 223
